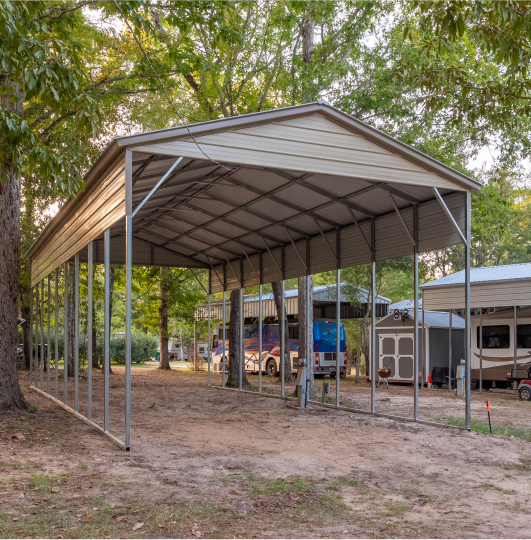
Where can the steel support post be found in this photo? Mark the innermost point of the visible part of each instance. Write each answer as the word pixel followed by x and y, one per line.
pixel 195 345
pixel 31 346
pixel 338 332
pixel 56 328
pixel 35 358
pixel 65 322
pixel 209 332
pixel 48 351
pixel 224 334
pixel 107 329
pixel 467 307
pixel 481 350
pixel 43 345
pixel 373 337
pixel 242 351
pixel 515 347
pixel 76 334
pixel 89 328
pixel 128 288
pixel 425 351
pixel 260 317
pixel 282 341
pixel 309 327
pixel 450 321
pixel 416 362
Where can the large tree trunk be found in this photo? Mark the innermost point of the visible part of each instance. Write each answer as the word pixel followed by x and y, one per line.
pixel 10 394
pixel 306 330
pixel 25 281
pixel 277 295
pixel 163 321
pixel 71 319
pixel 234 342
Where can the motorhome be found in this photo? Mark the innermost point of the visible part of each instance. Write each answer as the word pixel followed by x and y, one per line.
pixel 496 348
pixel 324 350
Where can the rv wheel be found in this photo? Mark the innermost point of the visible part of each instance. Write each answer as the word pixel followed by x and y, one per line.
pixel 525 393
pixel 271 368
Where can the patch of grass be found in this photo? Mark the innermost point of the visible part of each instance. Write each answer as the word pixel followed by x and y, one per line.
pixel 338 483
pixel 393 509
pixel 524 466
pixel 489 485
pixel 483 427
pixel 42 482
pixel 12 425
pixel 15 465
pixel 263 486
pixel 82 466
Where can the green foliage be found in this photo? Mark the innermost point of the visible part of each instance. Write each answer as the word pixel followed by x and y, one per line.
pixel 143 348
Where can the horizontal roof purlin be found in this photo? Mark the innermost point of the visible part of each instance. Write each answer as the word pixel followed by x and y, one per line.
pixel 240 215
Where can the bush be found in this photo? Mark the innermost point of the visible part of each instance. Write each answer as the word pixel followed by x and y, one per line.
pixel 143 348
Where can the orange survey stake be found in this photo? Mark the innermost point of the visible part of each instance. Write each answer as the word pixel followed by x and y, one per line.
pixel 488 412
pixel 488 406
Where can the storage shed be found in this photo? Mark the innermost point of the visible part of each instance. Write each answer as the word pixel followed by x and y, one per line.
pixel 395 344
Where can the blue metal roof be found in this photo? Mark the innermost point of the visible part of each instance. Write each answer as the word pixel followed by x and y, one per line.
pixel 487 273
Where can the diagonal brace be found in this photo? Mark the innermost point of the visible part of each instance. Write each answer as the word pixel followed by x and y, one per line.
pixel 402 219
pixel 450 217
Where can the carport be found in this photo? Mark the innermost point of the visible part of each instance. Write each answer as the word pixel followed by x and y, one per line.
pixel 253 199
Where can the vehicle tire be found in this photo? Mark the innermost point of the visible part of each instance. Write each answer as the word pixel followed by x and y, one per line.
pixel 342 375
pixel 332 375
pixel 525 393
pixel 271 368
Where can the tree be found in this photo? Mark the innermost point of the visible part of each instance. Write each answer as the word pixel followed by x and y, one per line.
pixel 235 353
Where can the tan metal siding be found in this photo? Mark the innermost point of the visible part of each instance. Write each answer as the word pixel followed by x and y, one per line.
pixel 339 152
pixel 490 294
pixel 96 212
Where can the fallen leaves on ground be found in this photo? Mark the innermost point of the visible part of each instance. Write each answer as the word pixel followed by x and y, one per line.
pixel 137 526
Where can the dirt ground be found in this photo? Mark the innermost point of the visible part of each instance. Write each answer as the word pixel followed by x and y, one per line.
pixel 212 463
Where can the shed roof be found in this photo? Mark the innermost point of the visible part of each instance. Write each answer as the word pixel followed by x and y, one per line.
pixel 259 197
pixel 433 319
pixel 405 304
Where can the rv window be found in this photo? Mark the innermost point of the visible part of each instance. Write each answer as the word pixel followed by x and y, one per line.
pixel 495 337
pixel 293 332
pixel 523 336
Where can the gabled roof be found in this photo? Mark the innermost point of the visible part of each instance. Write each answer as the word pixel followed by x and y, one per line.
pixel 487 273
pixel 432 319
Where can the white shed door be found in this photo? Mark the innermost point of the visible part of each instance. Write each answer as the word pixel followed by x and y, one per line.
pixel 396 354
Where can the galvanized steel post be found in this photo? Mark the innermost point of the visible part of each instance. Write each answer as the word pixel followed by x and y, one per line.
pixel 209 332
pixel 48 352
pixel 373 337
pixel 467 307
pixel 128 288
pixel 481 350
pixel 43 346
pixel 338 333
pixel 416 365
pixel 515 348
pixel 450 350
pixel 260 352
pixel 282 341
pixel 31 346
pixel 224 327
pixel 76 334
pixel 107 329
pixel 195 346
pixel 242 351
pixel 65 322
pixel 89 329
pixel 56 328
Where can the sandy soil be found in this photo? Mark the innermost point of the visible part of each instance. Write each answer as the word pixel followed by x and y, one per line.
pixel 249 466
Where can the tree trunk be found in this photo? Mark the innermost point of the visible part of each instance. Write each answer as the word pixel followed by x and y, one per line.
pixel 277 294
pixel 71 318
pixel 10 394
pixel 234 342
pixel 163 321
pixel 307 34
pixel 306 326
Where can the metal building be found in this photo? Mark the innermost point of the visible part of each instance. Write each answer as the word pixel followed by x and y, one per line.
pixel 324 305
pixel 395 343
pixel 252 199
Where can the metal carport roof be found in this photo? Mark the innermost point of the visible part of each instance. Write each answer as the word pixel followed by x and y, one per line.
pixel 292 191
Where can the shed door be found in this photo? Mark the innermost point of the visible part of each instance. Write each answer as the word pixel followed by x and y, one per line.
pixel 396 353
